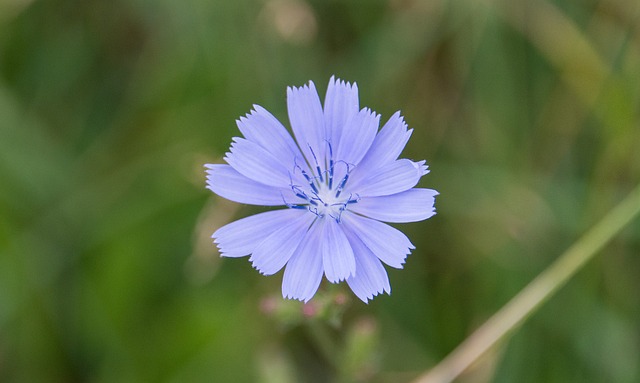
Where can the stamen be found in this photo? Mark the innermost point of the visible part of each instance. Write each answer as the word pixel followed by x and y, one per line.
pixel 353 200
pixel 292 206
pixel 315 159
pixel 299 192
pixel 339 217
pixel 310 181
pixel 331 174
pixel 348 165
pixel 305 175
pixel 315 211
pixel 341 185
pixel 316 197
pixel 330 165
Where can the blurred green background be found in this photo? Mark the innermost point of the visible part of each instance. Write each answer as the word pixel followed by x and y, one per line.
pixel 526 111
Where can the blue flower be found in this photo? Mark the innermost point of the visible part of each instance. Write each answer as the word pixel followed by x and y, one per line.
pixel 338 180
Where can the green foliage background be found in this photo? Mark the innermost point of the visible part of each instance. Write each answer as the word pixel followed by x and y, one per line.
pixel 526 111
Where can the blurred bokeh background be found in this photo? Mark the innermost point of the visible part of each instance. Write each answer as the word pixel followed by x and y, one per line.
pixel 527 112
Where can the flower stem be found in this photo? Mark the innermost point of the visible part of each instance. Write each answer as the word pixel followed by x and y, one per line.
pixel 519 308
pixel 323 339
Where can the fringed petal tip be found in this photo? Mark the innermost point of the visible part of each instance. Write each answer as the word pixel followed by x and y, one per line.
pixel 296 298
pixel 367 290
pixel 337 82
pixel 367 298
pixel 294 90
pixel 422 167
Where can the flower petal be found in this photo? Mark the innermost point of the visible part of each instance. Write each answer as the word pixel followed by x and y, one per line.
pixel 337 257
pixel 307 122
pixel 340 104
pixel 390 245
pixel 303 273
pixel 392 178
pixel 357 136
pixel 256 163
pixel 409 206
pixel 228 183
pixel 262 128
pixel 371 278
pixel 386 147
pixel 274 251
pixel 241 237
pixel 391 140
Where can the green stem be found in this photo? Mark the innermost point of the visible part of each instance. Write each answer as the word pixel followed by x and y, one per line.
pixel 325 342
pixel 519 308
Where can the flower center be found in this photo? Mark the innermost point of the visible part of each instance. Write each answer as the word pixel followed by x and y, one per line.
pixel 329 204
pixel 324 196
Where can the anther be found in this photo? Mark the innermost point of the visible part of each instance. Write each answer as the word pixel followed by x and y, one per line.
pixel 299 192
pixel 331 163
pixel 290 205
pixel 315 159
pixel 310 181
pixel 341 185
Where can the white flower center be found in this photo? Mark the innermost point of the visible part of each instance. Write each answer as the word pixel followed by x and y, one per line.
pixel 325 196
pixel 329 204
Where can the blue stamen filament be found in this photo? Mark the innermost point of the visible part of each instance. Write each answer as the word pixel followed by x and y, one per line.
pixel 315 159
pixel 330 174
pixel 330 165
pixel 341 186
